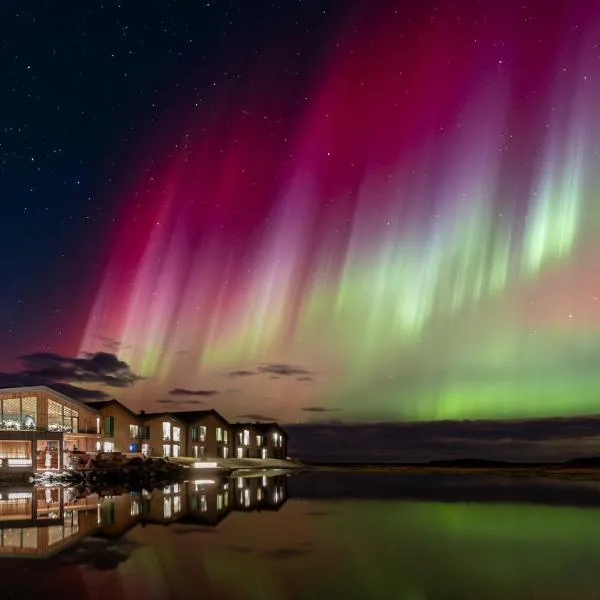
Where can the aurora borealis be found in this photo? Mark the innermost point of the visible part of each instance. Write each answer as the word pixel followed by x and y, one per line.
pixel 398 221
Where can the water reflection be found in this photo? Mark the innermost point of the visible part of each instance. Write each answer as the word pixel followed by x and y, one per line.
pixel 43 521
pixel 401 538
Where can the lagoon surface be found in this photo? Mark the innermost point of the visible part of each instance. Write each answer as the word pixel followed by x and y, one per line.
pixel 319 535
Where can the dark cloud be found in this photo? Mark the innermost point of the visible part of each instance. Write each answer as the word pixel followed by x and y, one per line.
pixel 100 367
pixel 516 440
pixel 241 373
pixel 305 378
pixel 172 402
pixel 61 372
pixel 282 370
pixel 256 417
pixel 186 392
pixel 318 409
pixel 282 553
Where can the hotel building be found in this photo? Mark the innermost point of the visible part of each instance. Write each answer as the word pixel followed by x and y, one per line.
pixel 39 427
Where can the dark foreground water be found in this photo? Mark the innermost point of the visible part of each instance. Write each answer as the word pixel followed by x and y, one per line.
pixel 314 536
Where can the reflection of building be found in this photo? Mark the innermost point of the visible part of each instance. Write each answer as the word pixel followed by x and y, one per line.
pixel 37 425
pixel 43 521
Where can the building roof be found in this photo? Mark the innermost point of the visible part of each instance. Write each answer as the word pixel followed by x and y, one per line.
pixel 47 389
pixel 144 416
pixel 191 416
pixel 262 427
pixel 103 403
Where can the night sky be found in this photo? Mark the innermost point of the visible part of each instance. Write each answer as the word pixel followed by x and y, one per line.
pixel 319 212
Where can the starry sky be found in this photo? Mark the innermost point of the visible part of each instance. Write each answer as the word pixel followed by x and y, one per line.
pixel 309 211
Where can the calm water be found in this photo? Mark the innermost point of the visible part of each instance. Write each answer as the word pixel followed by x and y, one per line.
pixel 306 537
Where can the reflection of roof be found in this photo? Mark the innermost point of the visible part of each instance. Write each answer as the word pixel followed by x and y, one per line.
pixel 49 390
pixel 191 416
pixel 195 519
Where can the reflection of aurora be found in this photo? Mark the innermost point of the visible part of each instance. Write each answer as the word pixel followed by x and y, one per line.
pixel 421 240
pixel 418 550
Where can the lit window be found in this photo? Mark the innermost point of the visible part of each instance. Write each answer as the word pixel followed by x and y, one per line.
pixel 194 434
pixel 259 440
pixel 134 431
pixel 225 435
pixel 166 449
pixel 246 437
pixel 166 430
pixel 219 434
pixel 97 424
pixel 176 434
pixel 109 447
pixel 202 433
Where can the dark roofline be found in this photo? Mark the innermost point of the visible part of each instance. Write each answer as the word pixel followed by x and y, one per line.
pixel 102 403
pixel 190 416
pixel 261 426
pixel 144 416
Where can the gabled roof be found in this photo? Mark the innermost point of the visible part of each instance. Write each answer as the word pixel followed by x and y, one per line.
pixel 161 415
pixel 49 390
pixel 191 416
pixel 262 427
pixel 103 403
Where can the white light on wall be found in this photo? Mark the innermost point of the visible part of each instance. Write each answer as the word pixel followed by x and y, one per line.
pixel 19 462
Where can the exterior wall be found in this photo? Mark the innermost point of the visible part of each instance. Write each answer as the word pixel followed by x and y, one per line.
pixel 245 441
pixel 156 440
pixel 25 415
pixel 208 445
pixel 121 438
pixel 275 441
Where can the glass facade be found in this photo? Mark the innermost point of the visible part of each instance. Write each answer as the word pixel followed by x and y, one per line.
pixel 18 413
pixel 62 418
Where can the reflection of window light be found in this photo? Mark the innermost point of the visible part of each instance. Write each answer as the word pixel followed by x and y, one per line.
pixel 203 503
pixel 240 482
pixel 219 501
pixel 97 424
pixel 135 508
pixel 247 497
pixel 167 508
pixel 99 517
pixel 259 494
pixel 177 504
pixel 264 481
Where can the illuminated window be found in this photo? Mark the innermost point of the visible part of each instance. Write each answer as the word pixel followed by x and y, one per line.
pixel 97 424
pixel 202 433
pixel 176 434
pixel 219 434
pixel 194 434
pixel 134 431
pixel 246 437
pixel 259 440
pixel 166 430
pixel 135 508
pixel 62 418
pixel 109 426
pixel 225 435
pixel 220 502
pixel 109 447
pixel 240 453
pixel 203 503
pixel 18 413
pixel 166 449
pixel 175 450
